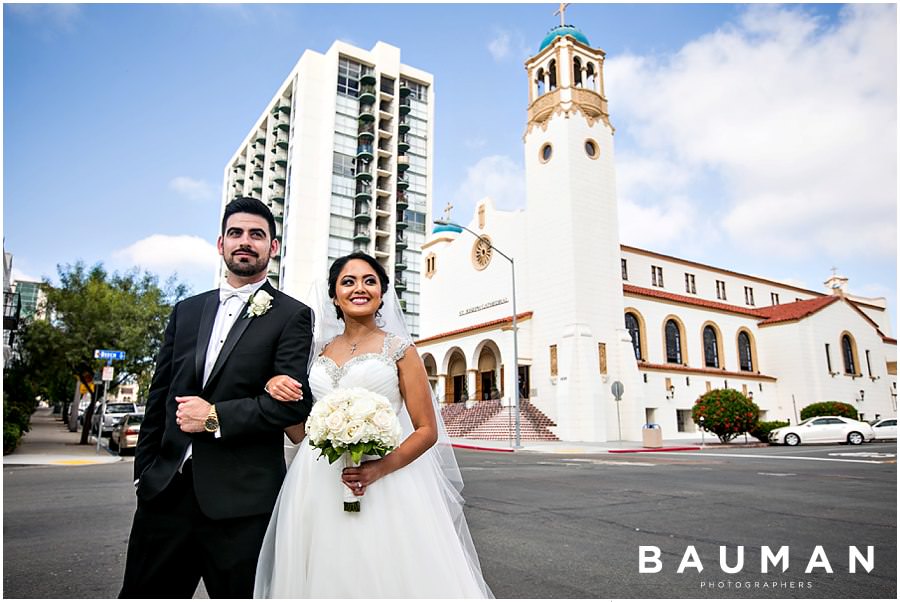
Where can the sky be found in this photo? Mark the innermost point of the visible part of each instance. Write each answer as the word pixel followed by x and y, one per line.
pixel 757 138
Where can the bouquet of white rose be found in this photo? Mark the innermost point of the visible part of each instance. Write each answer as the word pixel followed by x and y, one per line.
pixel 351 423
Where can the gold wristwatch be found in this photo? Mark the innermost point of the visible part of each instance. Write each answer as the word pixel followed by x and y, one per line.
pixel 212 420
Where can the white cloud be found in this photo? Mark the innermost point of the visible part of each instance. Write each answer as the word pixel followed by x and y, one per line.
pixel 50 17
pixel 499 45
pixel 191 189
pixel 496 176
pixel 795 120
pixel 192 258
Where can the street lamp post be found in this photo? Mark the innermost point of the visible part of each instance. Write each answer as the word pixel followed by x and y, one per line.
pixel 515 328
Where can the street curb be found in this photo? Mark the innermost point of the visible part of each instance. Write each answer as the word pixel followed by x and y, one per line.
pixel 482 448
pixel 653 449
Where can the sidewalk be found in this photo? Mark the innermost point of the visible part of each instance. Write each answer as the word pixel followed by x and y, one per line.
pixel 50 442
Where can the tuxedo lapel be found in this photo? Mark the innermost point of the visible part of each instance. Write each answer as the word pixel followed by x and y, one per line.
pixel 237 330
pixel 204 331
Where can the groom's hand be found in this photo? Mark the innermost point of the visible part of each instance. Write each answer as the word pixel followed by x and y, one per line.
pixel 192 413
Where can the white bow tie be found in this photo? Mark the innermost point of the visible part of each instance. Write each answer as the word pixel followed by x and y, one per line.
pixel 226 291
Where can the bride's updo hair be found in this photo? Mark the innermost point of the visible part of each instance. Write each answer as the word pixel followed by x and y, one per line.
pixel 335 270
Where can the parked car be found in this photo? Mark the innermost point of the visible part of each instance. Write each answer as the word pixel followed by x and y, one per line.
pixel 124 436
pixel 886 428
pixel 823 429
pixel 114 413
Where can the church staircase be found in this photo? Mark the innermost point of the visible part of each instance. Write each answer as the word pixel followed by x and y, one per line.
pixel 489 421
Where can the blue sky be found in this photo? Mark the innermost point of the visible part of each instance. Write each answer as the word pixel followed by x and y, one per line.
pixel 759 138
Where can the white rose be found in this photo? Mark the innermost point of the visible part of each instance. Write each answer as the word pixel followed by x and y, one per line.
pixel 335 421
pixel 383 420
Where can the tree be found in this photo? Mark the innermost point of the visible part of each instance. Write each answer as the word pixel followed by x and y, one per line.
pixel 829 408
pixel 726 413
pixel 91 309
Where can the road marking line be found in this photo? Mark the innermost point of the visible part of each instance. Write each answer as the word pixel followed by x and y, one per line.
pixel 777 474
pixel 764 457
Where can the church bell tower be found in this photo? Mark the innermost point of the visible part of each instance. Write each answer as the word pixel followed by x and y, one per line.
pixel 574 251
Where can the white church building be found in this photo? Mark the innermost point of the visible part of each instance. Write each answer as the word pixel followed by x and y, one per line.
pixel 592 312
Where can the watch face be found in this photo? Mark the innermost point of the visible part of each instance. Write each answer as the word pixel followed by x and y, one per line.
pixel 481 253
pixel 211 424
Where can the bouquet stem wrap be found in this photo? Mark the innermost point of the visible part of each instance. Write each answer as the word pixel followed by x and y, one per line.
pixel 351 502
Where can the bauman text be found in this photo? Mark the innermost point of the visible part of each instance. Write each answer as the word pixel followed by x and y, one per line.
pixel 649 559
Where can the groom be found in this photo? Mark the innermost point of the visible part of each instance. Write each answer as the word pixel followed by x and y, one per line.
pixel 210 458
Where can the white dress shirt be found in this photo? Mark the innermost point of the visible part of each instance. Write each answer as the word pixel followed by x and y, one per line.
pixel 228 313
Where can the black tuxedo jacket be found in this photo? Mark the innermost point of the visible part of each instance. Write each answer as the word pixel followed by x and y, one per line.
pixel 239 473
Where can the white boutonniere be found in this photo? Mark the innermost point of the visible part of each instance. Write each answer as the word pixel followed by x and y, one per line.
pixel 260 303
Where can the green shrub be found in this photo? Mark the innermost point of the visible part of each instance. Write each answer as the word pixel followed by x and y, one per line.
pixel 727 413
pixel 763 428
pixel 829 408
pixel 12 434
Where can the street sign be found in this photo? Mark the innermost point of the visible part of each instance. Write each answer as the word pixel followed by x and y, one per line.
pixel 107 373
pixel 617 389
pixel 108 354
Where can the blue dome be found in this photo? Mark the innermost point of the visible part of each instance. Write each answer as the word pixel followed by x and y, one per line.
pixel 446 228
pixel 564 30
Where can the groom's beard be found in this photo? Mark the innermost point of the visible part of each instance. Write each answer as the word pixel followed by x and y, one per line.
pixel 247 266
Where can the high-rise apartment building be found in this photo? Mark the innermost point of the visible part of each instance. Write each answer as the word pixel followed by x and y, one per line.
pixel 343 156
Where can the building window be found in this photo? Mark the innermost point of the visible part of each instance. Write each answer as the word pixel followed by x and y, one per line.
pixel 690 284
pixel 710 347
pixel 774 298
pixel 601 351
pixel 720 290
pixel 546 152
pixel 673 343
pixel 349 73
pixel 828 357
pixel 847 350
pixel 624 269
pixel 745 352
pixel 656 275
pixel 430 261
pixel 868 363
pixel 591 148
pixel 554 367
pixel 748 296
pixel 633 326
pixel 685 422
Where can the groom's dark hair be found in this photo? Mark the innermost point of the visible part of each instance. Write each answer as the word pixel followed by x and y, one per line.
pixel 246 204
pixel 335 270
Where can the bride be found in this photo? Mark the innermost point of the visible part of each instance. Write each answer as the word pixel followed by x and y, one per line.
pixel 410 539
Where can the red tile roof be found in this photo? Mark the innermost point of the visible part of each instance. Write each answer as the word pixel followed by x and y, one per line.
pixel 796 310
pixel 711 371
pixel 660 294
pixel 519 317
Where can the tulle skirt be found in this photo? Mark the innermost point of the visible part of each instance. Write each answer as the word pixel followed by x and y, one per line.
pixel 409 540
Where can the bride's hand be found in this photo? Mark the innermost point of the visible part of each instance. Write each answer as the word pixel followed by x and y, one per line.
pixel 358 478
pixel 284 388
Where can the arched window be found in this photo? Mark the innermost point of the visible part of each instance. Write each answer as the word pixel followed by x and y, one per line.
pixel 633 326
pixel 540 81
pixel 551 70
pixel 576 71
pixel 711 347
pixel 673 342
pixel 591 77
pixel 744 352
pixel 847 349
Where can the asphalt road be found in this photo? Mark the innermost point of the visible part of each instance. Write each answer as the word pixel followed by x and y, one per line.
pixel 550 525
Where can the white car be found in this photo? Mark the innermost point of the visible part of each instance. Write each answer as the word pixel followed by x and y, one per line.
pixel 823 429
pixel 886 428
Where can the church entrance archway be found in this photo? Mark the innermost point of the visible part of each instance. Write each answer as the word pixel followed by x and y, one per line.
pixel 487 383
pixel 456 390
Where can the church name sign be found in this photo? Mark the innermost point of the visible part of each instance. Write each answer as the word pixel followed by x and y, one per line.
pixel 472 310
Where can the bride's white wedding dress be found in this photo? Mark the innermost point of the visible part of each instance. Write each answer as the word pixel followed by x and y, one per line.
pixel 409 540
